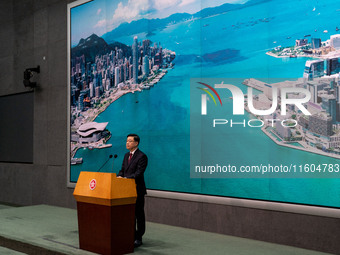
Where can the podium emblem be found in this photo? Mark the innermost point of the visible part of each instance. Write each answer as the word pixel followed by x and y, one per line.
pixel 93 184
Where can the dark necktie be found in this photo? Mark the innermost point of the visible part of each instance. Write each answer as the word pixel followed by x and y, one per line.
pixel 130 157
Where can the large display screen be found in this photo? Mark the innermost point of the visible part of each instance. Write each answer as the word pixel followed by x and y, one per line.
pixel 230 98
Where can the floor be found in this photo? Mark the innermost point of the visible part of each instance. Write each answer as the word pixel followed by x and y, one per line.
pixel 47 230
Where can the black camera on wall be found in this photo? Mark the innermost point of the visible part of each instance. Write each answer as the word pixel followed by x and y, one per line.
pixel 28 74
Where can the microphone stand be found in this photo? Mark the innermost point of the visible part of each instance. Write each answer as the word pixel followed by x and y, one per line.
pixel 114 157
pixel 104 163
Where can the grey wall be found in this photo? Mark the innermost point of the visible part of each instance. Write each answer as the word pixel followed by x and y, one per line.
pixel 300 230
pixel 34 32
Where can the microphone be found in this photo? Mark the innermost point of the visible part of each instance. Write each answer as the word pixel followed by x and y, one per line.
pixel 114 157
pixel 105 163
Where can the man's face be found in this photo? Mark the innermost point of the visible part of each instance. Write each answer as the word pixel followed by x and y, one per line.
pixel 131 144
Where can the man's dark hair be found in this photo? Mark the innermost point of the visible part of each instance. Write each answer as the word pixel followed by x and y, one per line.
pixel 135 137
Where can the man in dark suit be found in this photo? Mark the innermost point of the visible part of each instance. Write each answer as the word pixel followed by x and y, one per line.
pixel 134 165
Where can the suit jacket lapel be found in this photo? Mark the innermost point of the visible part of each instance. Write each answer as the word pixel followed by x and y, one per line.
pixel 132 159
pixel 134 156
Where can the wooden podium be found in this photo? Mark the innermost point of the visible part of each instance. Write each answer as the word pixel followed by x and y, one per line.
pixel 106 213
